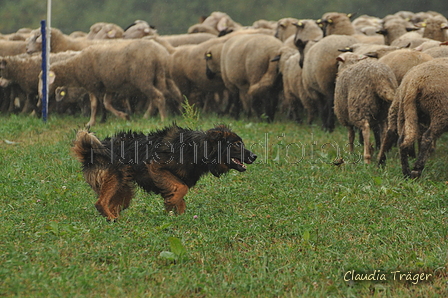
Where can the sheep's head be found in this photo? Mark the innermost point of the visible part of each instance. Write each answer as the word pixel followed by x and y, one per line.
pixel 34 42
pixel 60 92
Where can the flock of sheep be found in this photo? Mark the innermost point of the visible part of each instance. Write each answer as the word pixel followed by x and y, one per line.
pixel 388 75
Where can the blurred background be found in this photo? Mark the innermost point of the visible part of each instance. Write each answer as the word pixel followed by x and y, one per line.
pixel 175 16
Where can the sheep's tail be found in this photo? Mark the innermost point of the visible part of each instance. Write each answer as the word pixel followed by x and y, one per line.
pixel 86 145
pixel 410 118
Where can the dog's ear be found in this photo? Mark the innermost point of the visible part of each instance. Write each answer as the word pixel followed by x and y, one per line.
pixel 215 135
pixel 218 133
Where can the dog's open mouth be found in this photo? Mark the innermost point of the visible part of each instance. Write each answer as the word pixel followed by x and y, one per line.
pixel 238 165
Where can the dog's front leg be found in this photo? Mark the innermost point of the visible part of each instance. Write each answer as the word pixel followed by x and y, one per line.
pixel 171 188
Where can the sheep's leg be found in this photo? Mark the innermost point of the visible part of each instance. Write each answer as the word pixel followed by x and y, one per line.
pixel 29 105
pixel 388 141
pixel 426 146
pixel 93 109
pixel 351 138
pixel 159 101
pixel 366 136
pixel 377 132
pixel 171 188
pixel 404 155
pixel 108 97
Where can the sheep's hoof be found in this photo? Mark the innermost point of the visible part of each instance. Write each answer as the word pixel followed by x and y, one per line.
pixel 415 174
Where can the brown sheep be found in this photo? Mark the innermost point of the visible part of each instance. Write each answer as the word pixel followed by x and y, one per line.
pixel 435 28
pixel 395 28
pixel 12 47
pixel 183 39
pixel 422 100
pixel 246 69
pixel 336 23
pixel 139 29
pixel 126 67
pixel 60 42
pixel 438 52
pixel 201 28
pixel 364 90
pixel 24 71
pixel 71 98
pixel 400 61
pixel 221 22
pixel 307 33
pixel 188 70
pixel 340 23
pixel 289 67
pixel 319 74
pixel 103 30
pixel 285 28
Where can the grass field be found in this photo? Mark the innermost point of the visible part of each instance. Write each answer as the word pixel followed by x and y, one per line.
pixel 292 225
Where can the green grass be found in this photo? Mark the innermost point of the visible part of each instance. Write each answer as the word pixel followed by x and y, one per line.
pixel 292 225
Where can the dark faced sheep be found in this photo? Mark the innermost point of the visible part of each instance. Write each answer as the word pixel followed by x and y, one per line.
pixel 136 66
pixel 319 74
pixel 364 90
pixel 422 100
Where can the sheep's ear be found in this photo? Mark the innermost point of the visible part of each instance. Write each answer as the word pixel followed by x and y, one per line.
pixel 112 33
pixel 51 77
pixel 382 32
pixel 39 38
pixel 409 29
pixel 215 135
pixel 345 50
pixel 276 58
pixel 299 24
pixel 362 57
pixel 340 59
pixel 351 15
pixel 371 55
pixel 3 64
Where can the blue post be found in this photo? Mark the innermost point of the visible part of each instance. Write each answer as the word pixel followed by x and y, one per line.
pixel 44 70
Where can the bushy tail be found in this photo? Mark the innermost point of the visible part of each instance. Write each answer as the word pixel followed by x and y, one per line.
pixel 86 145
pixel 408 109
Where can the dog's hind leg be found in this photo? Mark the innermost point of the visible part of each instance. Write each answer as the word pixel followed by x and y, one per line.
pixel 171 188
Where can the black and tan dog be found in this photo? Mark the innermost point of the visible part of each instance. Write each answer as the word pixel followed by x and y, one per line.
pixel 168 162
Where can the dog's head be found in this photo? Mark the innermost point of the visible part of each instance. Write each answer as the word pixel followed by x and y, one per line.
pixel 227 151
